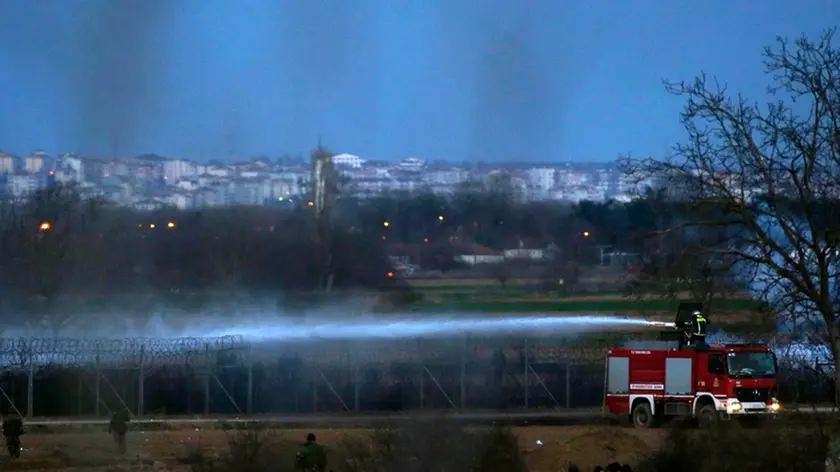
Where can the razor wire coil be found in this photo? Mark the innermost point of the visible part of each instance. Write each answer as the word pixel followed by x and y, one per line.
pixel 17 353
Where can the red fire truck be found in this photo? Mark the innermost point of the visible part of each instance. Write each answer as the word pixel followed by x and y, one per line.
pixel 706 382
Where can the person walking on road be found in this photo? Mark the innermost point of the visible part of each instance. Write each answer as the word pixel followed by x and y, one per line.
pixel 12 431
pixel 118 428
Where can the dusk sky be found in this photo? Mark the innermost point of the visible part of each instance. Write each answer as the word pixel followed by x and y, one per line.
pixel 489 80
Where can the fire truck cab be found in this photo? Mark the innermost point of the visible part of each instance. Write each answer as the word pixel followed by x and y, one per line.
pixel 706 382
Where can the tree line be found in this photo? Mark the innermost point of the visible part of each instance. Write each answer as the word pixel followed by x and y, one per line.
pixel 59 242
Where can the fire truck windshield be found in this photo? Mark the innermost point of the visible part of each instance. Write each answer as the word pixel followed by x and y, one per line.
pixel 744 365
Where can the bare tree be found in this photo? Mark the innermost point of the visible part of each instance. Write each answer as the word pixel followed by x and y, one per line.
pixel 771 175
pixel 679 262
pixel 48 247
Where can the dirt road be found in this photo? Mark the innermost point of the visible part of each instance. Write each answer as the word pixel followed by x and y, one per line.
pixel 161 450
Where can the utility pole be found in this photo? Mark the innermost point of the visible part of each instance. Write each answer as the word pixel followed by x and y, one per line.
pixel 322 188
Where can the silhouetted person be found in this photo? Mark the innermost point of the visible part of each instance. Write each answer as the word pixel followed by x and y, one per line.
pixel 312 457
pixel 12 431
pixel 696 329
pixel 598 468
pixel 614 467
pixel 118 428
pixel 626 468
pixel 573 468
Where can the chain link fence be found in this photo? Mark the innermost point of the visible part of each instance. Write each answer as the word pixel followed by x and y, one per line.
pixel 74 377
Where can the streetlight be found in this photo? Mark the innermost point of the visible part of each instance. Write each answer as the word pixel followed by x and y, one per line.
pixel 586 234
pixel 386 224
pixel 45 226
pixel 170 225
pixel 440 217
pixel 152 226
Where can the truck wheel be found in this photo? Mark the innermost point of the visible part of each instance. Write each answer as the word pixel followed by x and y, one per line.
pixel 642 416
pixel 708 417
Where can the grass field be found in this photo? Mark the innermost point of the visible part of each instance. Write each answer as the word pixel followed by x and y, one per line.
pixel 791 442
pixel 166 450
pixel 571 305
pixel 738 311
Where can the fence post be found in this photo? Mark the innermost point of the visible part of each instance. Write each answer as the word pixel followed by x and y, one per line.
pixel 98 375
pixel 141 383
pixel 249 408
pixel 525 366
pixel 314 393
pixel 206 379
pixel 463 377
pixel 357 386
pixel 30 382
pixel 79 395
pixel 568 384
pixel 422 389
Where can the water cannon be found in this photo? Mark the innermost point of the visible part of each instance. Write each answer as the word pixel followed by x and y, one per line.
pixel 662 324
pixel 683 318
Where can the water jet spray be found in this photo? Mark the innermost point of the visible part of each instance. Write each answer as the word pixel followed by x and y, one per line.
pixel 390 328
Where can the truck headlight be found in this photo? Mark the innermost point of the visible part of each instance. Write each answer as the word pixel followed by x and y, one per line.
pixel 735 406
pixel 775 405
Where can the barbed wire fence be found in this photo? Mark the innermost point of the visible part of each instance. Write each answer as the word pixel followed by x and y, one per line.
pixel 229 376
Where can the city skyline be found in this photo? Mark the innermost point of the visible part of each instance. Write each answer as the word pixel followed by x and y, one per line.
pixel 496 81
pixel 303 157
pixel 149 182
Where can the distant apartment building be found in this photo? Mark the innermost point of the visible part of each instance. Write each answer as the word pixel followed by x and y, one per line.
pixel 8 163
pixel 253 191
pixel 180 199
pixel 177 169
pixel 445 177
pixel 207 179
pixel 218 171
pixel 348 160
pixel 281 189
pixel 22 184
pixel 119 194
pixel 214 196
pixel 187 185
pixel 538 183
pixel 34 162
pixel 542 178
pixel 148 204
pixel 69 168
pixel 412 164
pixel 370 186
pixel 115 168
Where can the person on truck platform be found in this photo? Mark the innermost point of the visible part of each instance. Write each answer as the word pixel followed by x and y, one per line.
pixel 697 329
